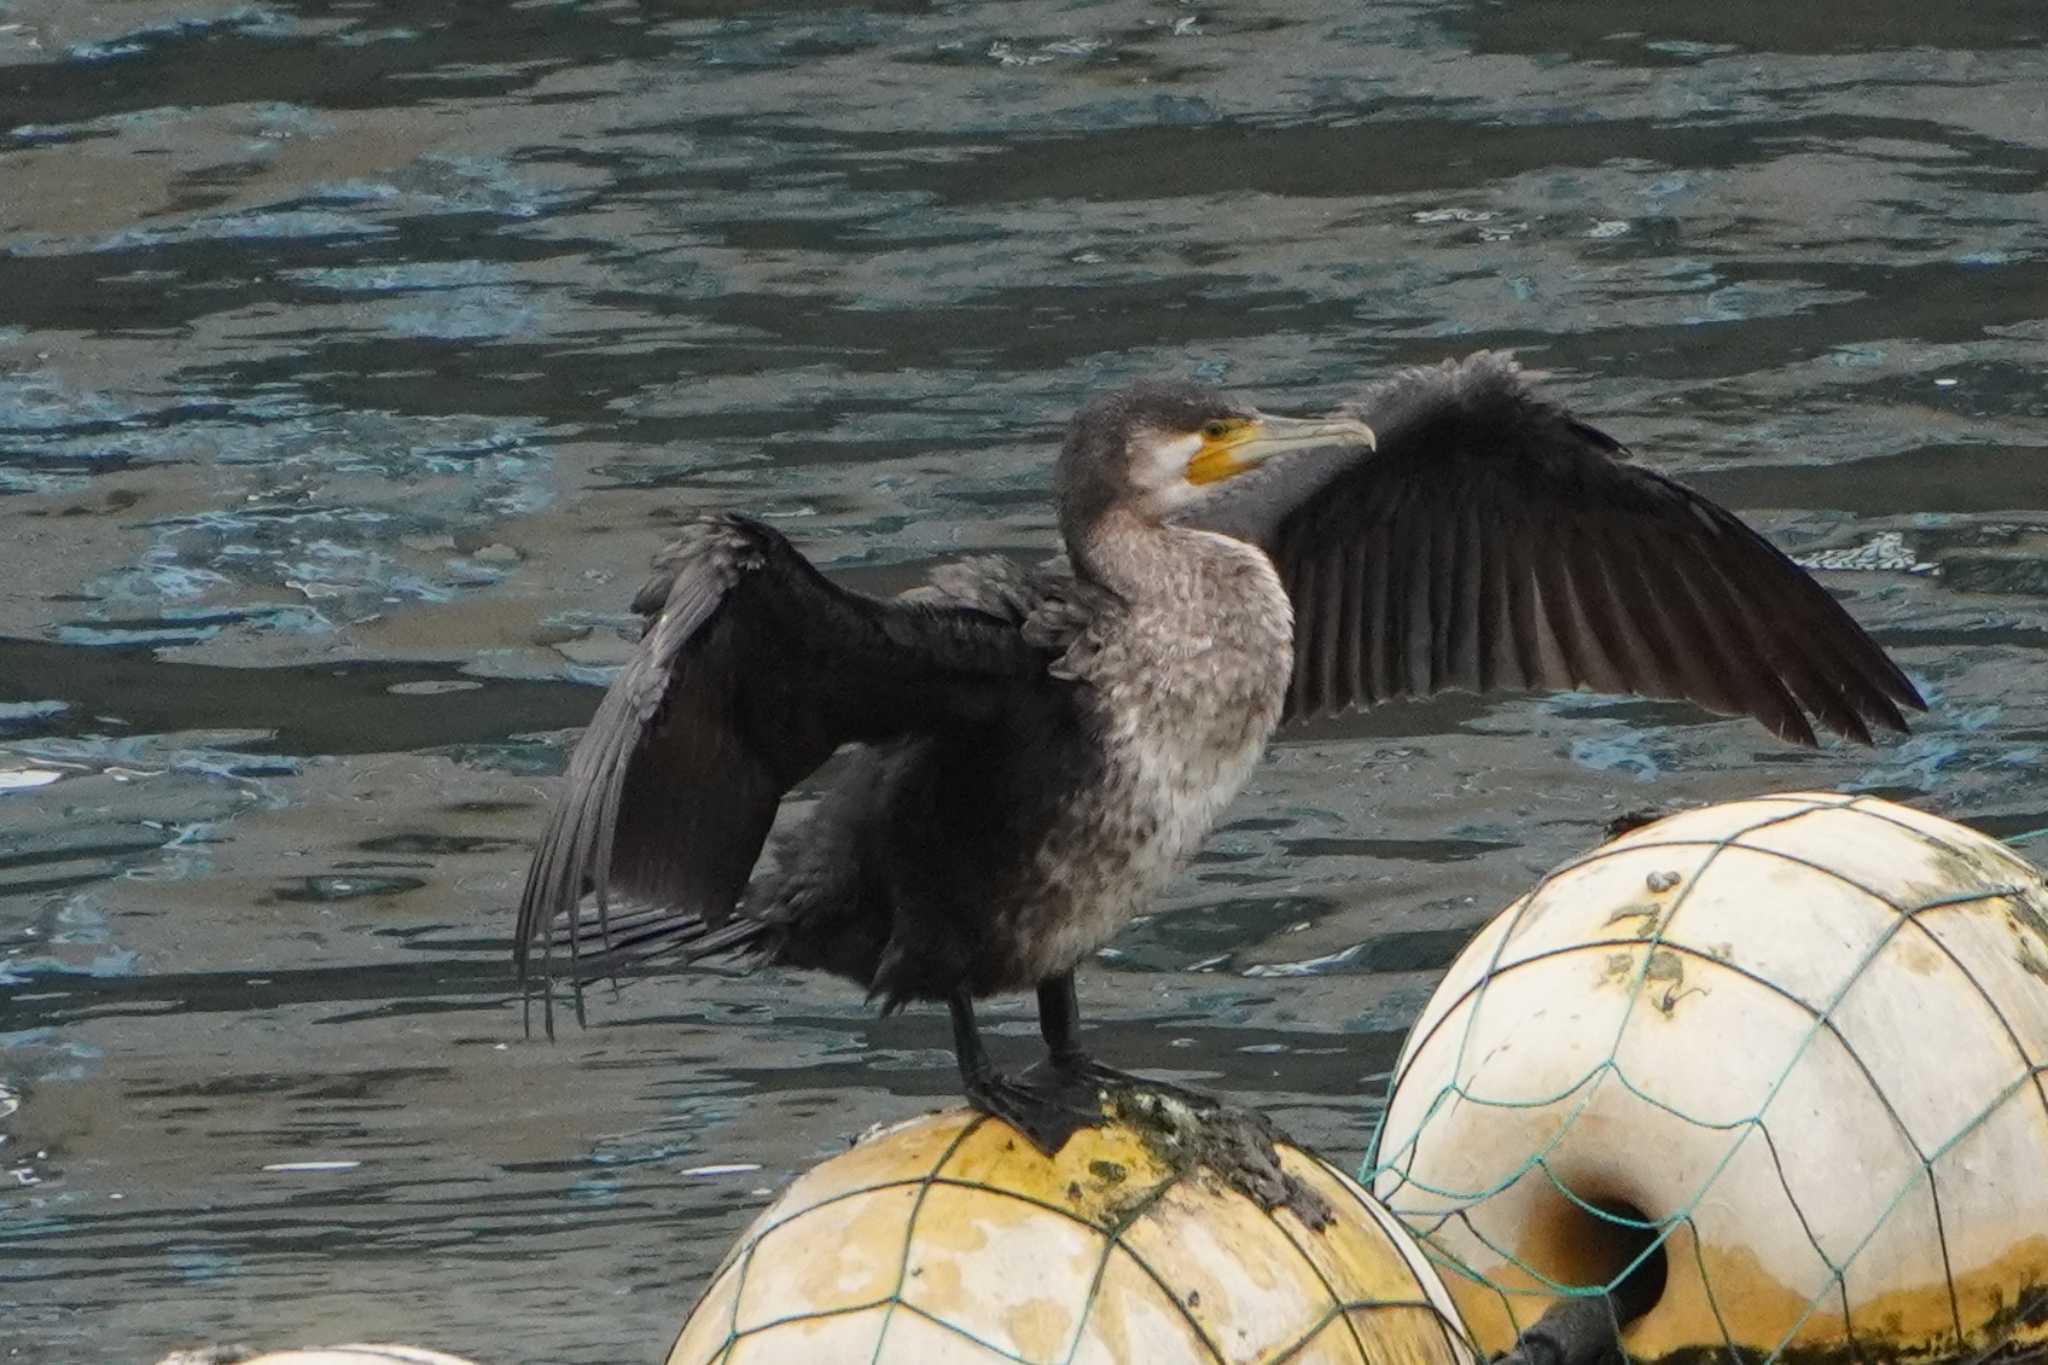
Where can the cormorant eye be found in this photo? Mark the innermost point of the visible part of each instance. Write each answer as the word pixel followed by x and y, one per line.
pixel 1216 431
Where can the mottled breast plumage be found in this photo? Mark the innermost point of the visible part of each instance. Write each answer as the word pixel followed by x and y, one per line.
pixel 1185 687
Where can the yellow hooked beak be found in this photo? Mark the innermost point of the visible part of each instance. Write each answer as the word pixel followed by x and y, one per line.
pixel 1231 447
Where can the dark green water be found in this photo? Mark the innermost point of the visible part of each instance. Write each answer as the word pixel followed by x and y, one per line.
pixel 355 356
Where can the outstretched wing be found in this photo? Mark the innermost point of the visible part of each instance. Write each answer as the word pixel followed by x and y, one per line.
pixel 753 668
pixel 1493 541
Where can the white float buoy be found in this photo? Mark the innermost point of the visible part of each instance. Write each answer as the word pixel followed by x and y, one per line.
pixel 355 1354
pixel 951 1239
pixel 1789 1054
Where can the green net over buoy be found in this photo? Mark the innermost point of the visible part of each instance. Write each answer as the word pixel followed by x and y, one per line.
pixel 1776 1069
pixel 952 1239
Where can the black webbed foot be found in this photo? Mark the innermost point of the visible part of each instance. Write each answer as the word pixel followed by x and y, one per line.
pixel 1064 1094
pixel 1070 1090
pixel 1045 1104
pixel 1082 1068
pixel 1059 1020
pixel 1059 1096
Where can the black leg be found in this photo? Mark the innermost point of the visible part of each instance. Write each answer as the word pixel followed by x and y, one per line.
pixel 1047 1104
pixel 975 1069
pixel 1059 1021
pixel 1070 1090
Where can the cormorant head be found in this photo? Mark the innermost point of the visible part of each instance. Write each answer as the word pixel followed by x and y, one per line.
pixel 1160 449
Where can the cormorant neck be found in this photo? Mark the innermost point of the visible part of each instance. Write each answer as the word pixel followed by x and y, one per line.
pixel 1124 551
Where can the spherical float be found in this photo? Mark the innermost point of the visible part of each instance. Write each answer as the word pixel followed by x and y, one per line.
pixel 354 1354
pixel 952 1239
pixel 1777 1068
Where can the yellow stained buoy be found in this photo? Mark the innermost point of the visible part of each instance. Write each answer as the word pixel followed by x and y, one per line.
pixel 356 1354
pixel 1779 1068
pixel 952 1239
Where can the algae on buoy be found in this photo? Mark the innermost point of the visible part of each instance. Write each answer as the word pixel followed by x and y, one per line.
pixel 951 1239
pixel 1774 1067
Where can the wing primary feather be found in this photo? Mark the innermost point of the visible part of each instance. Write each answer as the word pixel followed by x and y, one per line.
pixel 1377 672
pixel 1468 587
pixel 752 668
pixel 1525 616
pixel 1763 588
pixel 1357 622
pixel 643 934
pixel 1417 631
pixel 1610 629
pixel 1686 643
pixel 603 837
pixel 1400 560
pixel 1446 524
pixel 1834 668
pixel 1553 595
pixel 624 922
pixel 1791 652
pixel 1641 594
pixel 1747 657
pixel 1301 686
pixel 1313 645
pixel 1819 694
pixel 1494 540
pixel 1330 629
pixel 590 839
pixel 1489 618
pixel 1869 683
pixel 1767 697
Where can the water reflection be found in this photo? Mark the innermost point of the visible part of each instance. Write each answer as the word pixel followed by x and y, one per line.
pixel 353 358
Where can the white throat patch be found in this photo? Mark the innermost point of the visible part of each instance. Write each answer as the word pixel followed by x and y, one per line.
pixel 1161 469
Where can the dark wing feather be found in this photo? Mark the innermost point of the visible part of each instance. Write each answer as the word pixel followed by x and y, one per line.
pixel 753 668
pixel 1495 541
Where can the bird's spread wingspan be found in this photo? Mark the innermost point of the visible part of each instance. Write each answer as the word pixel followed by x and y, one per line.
pixel 753 668
pixel 1493 541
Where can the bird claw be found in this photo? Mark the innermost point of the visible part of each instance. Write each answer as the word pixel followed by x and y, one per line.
pixel 1045 1104
pixel 1105 1078
pixel 1058 1097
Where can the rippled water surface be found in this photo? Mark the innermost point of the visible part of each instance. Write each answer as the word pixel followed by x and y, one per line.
pixel 354 357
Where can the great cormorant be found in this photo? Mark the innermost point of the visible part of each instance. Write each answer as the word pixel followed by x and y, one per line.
pixel 1039 750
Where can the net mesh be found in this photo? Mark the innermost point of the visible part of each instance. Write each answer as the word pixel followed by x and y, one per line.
pixel 884 1255
pixel 1668 1197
